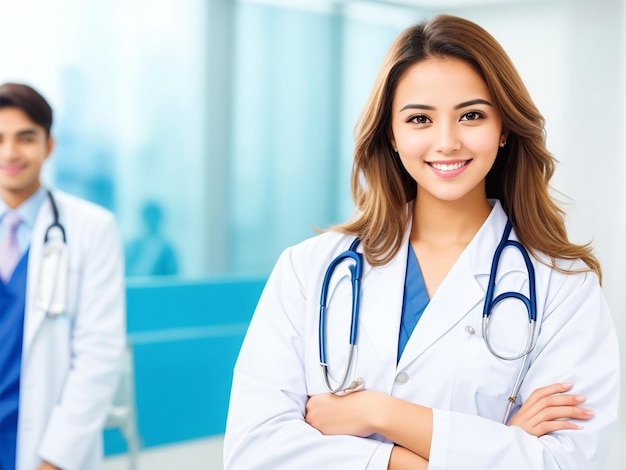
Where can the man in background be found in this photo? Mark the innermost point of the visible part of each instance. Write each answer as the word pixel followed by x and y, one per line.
pixel 62 304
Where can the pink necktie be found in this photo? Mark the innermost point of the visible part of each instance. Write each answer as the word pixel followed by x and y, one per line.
pixel 9 249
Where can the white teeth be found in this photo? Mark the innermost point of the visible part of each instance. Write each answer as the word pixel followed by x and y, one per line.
pixel 448 166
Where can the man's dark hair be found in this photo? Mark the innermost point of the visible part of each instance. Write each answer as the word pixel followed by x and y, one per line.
pixel 27 99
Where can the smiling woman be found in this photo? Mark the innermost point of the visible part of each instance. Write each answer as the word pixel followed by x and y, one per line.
pixel 458 136
pixel 447 134
pixel 450 170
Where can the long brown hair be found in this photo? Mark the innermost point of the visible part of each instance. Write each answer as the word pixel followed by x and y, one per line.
pixel 381 187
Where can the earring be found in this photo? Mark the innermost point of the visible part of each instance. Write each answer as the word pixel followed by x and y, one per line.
pixel 503 143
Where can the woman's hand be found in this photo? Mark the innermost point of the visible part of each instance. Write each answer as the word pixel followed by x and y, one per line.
pixel 352 414
pixel 548 409
pixel 369 412
pixel 404 459
pixel 47 466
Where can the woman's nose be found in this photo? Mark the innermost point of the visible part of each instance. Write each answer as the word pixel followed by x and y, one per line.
pixel 447 140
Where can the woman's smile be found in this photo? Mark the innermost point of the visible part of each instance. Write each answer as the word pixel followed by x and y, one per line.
pixel 449 169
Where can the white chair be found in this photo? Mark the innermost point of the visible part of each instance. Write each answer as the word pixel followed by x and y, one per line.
pixel 123 414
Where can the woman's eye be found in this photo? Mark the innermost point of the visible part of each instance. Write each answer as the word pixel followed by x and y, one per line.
pixel 421 119
pixel 471 116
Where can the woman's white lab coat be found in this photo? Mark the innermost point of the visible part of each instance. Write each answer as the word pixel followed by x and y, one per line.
pixel 445 364
pixel 71 363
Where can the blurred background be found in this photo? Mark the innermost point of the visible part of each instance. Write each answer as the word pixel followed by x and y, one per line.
pixel 220 131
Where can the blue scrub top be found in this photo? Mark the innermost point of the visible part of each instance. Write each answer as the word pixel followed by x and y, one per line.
pixel 414 302
pixel 12 302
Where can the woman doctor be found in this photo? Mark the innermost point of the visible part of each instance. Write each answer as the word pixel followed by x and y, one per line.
pixel 449 148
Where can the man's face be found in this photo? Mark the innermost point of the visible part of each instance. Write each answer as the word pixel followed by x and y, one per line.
pixel 24 146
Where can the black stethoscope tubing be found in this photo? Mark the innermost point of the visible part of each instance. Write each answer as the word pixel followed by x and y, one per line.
pixel 55 223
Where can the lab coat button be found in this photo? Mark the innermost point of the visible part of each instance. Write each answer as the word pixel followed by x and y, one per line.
pixel 402 378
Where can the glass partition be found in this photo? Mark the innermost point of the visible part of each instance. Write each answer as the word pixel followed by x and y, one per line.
pixel 218 132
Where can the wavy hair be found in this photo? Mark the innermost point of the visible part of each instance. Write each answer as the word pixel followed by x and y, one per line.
pixel 381 187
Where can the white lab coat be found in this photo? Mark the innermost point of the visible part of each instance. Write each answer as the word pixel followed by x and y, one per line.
pixel 444 365
pixel 71 363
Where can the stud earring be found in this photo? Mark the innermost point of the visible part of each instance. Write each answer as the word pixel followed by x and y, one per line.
pixel 503 143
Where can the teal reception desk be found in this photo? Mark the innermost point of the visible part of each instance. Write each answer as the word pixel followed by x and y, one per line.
pixel 184 338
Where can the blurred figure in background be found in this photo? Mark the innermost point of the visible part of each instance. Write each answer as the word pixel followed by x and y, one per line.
pixel 151 254
pixel 62 303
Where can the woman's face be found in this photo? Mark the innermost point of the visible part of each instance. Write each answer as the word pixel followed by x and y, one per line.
pixel 445 128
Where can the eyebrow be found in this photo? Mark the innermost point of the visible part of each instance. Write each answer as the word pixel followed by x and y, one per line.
pixel 24 133
pixel 465 104
pixel 27 132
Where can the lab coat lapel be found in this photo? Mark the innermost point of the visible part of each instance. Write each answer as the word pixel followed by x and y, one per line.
pixel 456 296
pixel 34 316
pixel 460 291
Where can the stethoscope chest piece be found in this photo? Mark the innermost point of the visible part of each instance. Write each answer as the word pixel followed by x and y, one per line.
pixel 51 292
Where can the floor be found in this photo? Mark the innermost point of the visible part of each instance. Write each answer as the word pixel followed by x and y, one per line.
pixel 203 454
pixel 206 454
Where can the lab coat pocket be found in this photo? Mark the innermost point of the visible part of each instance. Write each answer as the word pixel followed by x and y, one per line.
pixel 73 291
pixel 51 291
pixel 484 382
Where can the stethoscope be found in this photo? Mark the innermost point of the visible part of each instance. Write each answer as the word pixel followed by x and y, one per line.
pixel 355 276
pixel 55 220
pixel 356 269
pixel 51 293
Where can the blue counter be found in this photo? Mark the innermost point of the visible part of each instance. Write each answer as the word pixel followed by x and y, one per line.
pixel 185 338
